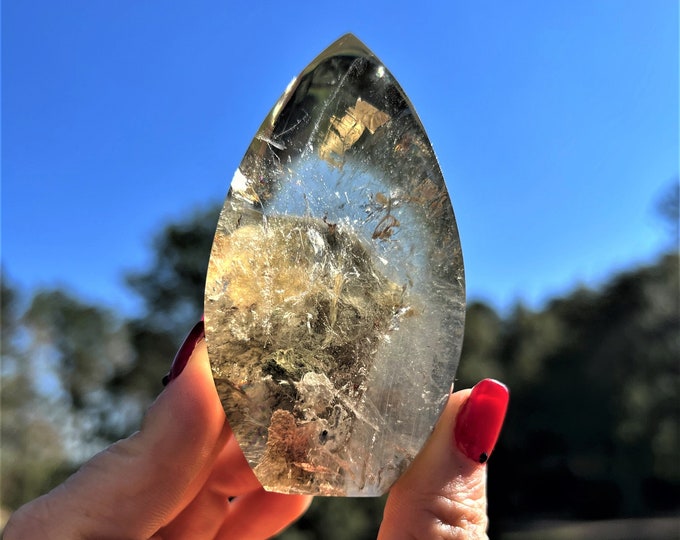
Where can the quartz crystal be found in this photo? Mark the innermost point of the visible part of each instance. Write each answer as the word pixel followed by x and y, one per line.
pixel 335 298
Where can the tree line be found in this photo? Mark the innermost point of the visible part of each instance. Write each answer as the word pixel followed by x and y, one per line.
pixel 592 431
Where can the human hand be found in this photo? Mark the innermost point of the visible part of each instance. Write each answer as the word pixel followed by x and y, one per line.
pixel 175 478
pixel 184 476
pixel 442 495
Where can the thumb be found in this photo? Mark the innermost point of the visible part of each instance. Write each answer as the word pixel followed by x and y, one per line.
pixel 442 495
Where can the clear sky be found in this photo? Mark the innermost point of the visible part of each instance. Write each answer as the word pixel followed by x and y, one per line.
pixel 555 123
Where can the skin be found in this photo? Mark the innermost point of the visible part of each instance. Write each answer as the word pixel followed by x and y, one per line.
pixel 175 477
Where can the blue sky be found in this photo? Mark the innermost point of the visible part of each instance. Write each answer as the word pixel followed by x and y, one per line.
pixel 555 123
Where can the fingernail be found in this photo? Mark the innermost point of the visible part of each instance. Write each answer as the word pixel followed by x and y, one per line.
pixel 184 353
pixel 480 419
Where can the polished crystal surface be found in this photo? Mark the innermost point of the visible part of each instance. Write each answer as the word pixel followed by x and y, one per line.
pixel 335 297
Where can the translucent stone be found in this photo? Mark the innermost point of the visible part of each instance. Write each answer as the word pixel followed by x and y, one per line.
pixel 335 296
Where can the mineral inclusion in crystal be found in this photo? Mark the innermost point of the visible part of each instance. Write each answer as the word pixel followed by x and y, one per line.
pixel 335 298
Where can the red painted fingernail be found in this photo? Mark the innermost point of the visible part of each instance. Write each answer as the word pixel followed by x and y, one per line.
pixel 480 419
pixel 184 353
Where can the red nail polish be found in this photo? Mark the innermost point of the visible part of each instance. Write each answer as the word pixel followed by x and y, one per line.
pixel 480 419
pixel 196 334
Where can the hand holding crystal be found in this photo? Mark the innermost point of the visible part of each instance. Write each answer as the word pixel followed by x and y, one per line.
pixel 183 474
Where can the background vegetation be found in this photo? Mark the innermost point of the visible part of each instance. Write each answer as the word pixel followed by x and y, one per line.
pixel 592 432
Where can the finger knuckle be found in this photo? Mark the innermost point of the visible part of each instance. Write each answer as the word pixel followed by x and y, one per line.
pixel 437 516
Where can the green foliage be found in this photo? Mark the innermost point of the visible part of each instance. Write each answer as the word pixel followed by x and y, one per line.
pixel 82 337
pixel 592 429
pixel 171 290
pixel 668 210
pixel 338 519
pixel 32 450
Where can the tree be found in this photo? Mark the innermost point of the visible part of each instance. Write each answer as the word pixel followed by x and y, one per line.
pixel 593 420
pixel 57 355
pixel 171 290
pixel 668 210
pixel 32 452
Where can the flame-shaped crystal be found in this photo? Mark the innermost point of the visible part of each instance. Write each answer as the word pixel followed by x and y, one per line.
pixel 335 297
